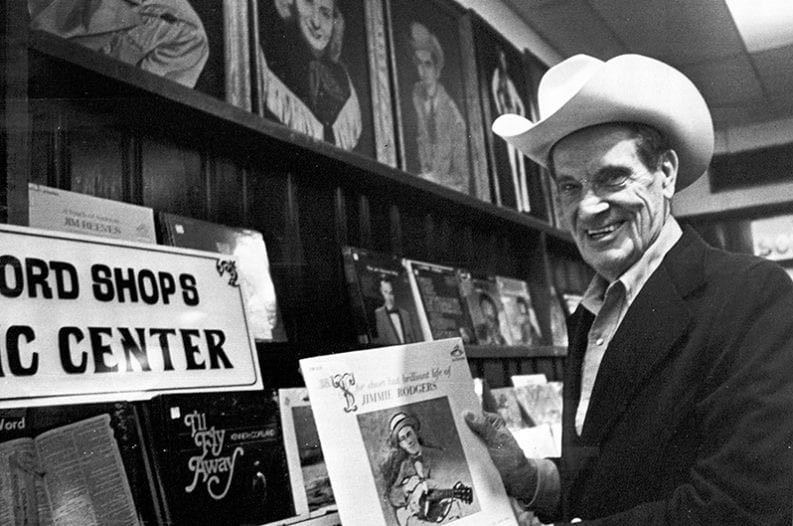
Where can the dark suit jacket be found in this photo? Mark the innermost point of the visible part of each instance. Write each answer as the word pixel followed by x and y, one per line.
pixel 385 328
pixel 691 418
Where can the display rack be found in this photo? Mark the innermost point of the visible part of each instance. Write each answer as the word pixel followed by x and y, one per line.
pixel 149 141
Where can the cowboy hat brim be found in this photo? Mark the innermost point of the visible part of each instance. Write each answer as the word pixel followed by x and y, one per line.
pixel 627 88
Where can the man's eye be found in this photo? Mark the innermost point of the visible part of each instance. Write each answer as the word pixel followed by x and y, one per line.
pixel 615 181
pixel 568 188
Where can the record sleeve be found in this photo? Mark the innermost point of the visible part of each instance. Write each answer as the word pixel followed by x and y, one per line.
pixel 442 311
pixel 220 458
pixel 308 474
pixel 483 301
pixel 519 314
pixel 395 441
pixel 381 300
pixel 75 464
pixel 254 267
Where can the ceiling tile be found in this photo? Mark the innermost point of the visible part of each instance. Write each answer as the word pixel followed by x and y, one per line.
pixel 571 27
pixel 729 116
pixel 675 31
pixel 727 81
pixel 775 67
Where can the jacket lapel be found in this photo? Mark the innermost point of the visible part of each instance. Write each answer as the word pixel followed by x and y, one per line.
pixel 657 318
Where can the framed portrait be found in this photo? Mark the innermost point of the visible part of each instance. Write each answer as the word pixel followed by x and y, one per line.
pixel 437 109
pixel 201 44
pixel 505 87
pixel 320 68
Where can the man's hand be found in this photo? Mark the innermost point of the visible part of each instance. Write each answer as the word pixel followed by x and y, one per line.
pixel 518 473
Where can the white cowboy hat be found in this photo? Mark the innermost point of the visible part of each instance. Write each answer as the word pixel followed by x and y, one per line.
pixel 583 91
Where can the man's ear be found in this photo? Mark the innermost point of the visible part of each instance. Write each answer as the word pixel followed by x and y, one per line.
pixel 668 167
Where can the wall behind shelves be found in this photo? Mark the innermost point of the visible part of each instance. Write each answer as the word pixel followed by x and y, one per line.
pixel 699 199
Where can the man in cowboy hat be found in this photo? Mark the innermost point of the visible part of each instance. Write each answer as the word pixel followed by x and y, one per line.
pixel 678 388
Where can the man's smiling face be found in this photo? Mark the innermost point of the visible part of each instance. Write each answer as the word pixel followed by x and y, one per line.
pixel 614 205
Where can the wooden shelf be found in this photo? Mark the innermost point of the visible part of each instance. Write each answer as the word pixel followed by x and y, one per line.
pixel 514 351
pixel 158 103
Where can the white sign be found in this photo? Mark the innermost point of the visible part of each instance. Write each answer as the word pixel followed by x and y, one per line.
pixel 93 319
pixel 772 237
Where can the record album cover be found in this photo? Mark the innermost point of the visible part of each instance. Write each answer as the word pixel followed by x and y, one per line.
pixel 397 448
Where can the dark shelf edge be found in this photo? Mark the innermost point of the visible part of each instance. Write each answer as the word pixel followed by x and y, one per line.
pixel 480 352
pixel 216 109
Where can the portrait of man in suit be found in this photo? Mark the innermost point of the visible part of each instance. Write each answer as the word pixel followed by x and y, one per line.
pixel 394 324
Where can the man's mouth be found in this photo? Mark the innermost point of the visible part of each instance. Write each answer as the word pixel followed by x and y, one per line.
pixel 599 233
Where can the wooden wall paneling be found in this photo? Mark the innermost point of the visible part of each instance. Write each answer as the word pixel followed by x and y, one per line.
pixel 412 219
pixel 512 367
pixel 364 222
pixel 324 319
pixel 227 198
pixel 445 242
pixel 45 152
pixel 494 371
pixel 430 249
pixel 15 154
pixel 380 222
pixel 173 178
pixel 341 219
pixel 395 223
pixel 484 245
pixel 273 211
pixel 96 148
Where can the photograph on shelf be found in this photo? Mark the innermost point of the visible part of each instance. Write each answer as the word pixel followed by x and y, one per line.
pixel 442 311
pixel 558 310
pixel 311 491
pixel 55 209
pixel 542 188
pixel 220 458
pixel 321 68
pixel 483 301
pixel 46 477
pixel 397 449
pixel 431 94
pixel 200 44
pixel 542 403
pixel 504 89
pixel 523 328
pixel 254 268
pixel 381 299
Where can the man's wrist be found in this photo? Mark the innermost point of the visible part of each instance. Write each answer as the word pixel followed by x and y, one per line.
pixel 528 501
pixel 522 482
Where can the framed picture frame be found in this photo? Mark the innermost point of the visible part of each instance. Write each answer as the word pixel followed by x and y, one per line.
pixel 200 44
pixel 436 103
pixel 321 68
pixel 545 196
pixel 226 74
pixel 504 87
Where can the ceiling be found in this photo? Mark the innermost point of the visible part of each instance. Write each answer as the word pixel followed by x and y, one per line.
pixel 697 37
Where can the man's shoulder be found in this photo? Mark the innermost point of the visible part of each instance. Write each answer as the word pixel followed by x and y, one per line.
pixel 694 259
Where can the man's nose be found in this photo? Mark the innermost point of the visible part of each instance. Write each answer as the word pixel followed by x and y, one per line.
pixel 592 204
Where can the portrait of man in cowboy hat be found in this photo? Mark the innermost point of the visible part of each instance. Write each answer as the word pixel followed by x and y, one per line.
pixel 418 464
pixel 430 89
pixel 678 384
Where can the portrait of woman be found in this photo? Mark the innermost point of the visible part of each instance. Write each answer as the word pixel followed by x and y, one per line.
pixel 304 77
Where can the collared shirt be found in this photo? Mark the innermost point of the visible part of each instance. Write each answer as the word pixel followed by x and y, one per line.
pixel 396 321
pixel 609 303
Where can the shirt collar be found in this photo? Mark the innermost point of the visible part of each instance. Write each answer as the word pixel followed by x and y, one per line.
pixel 637 275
